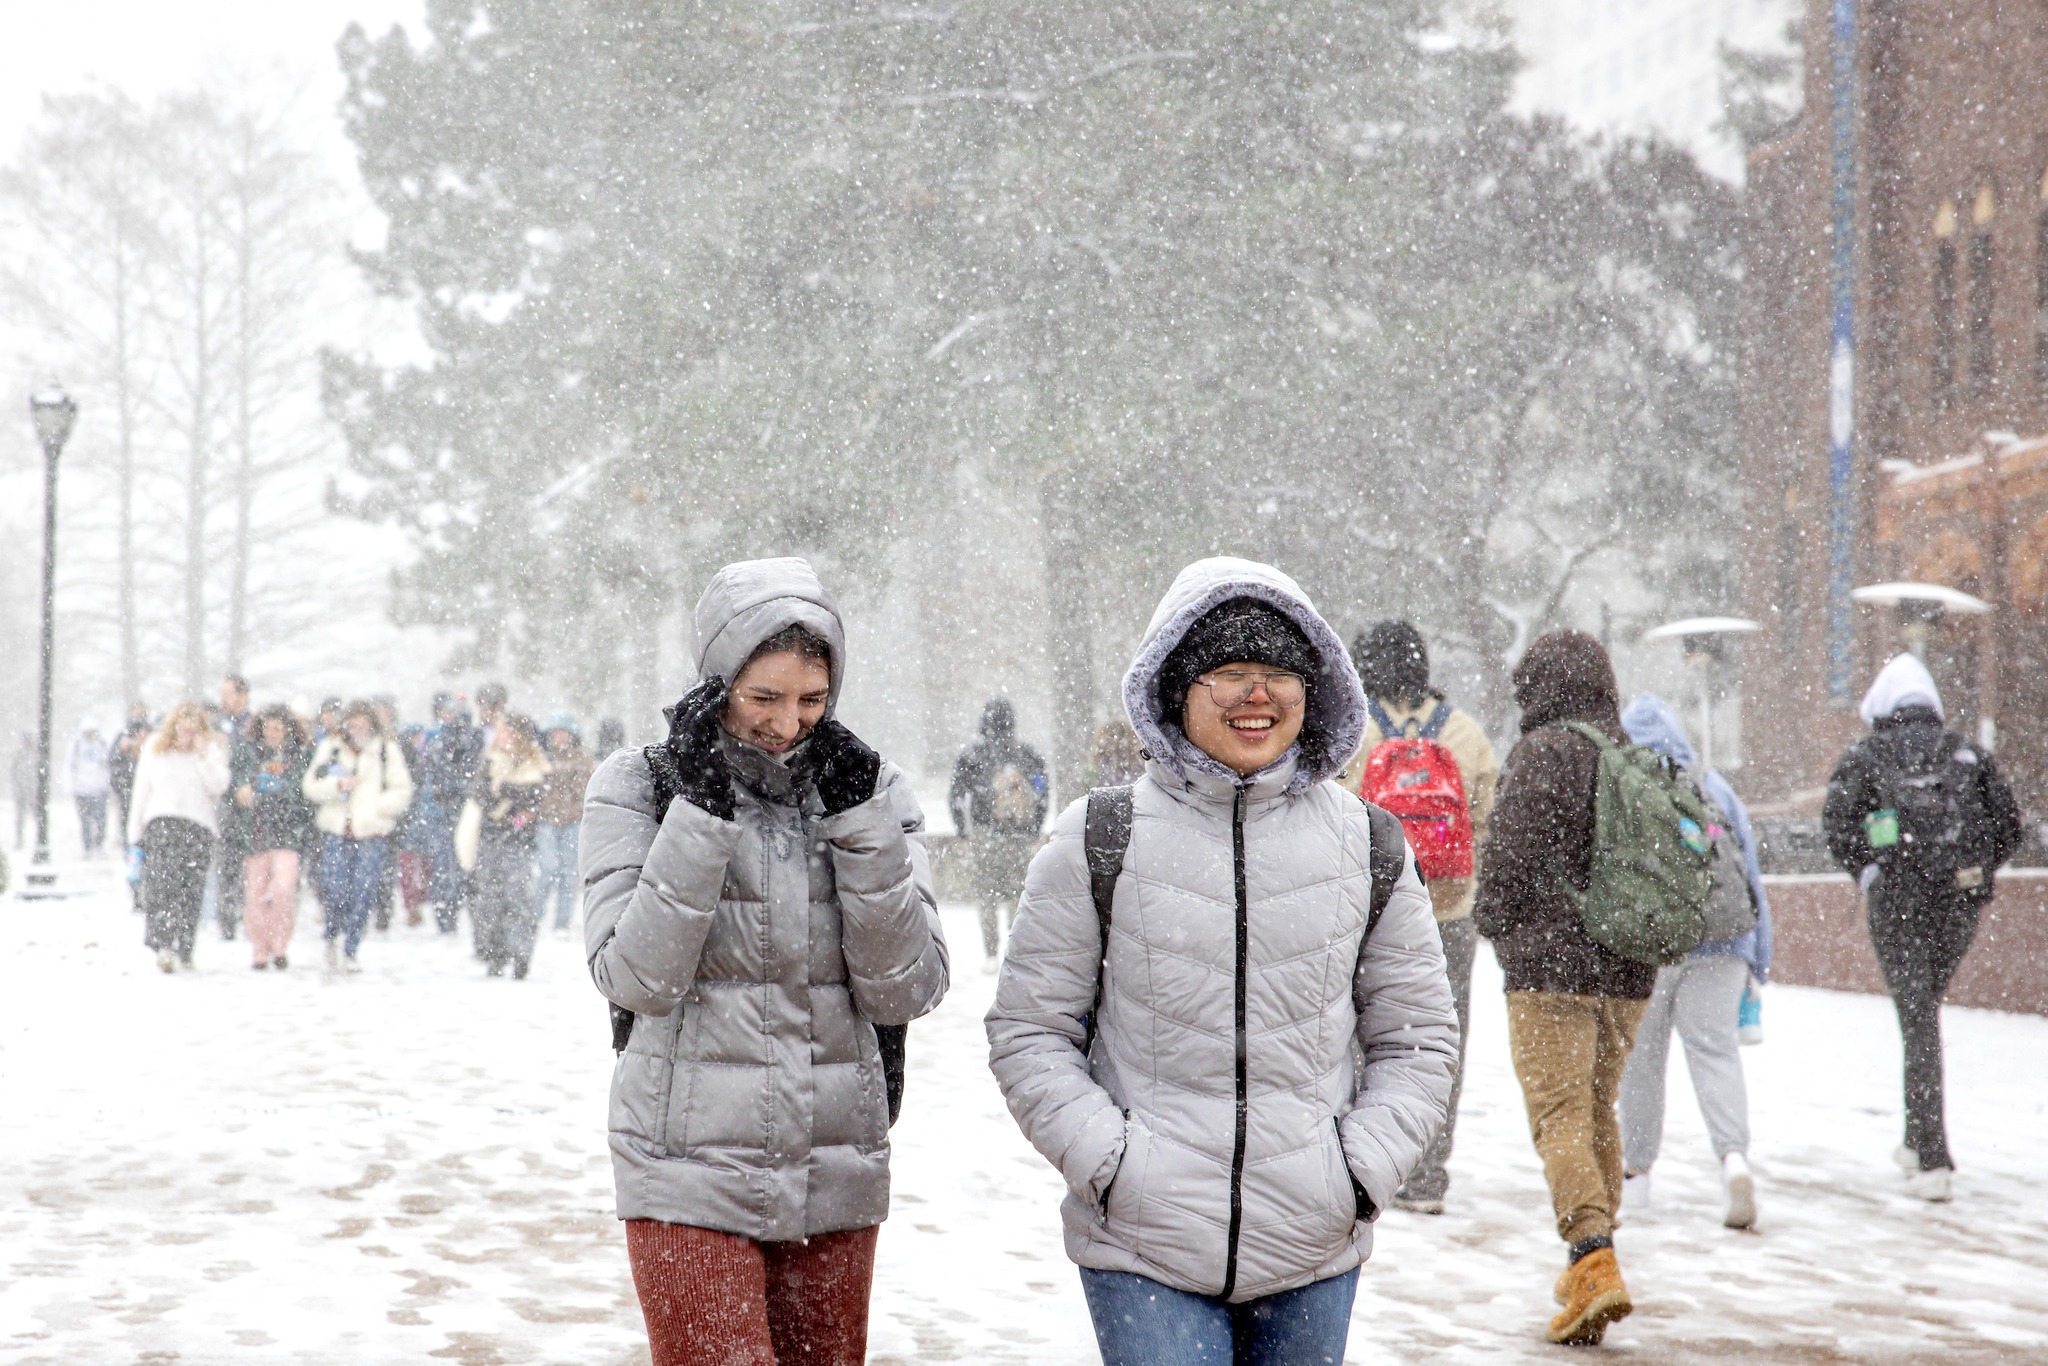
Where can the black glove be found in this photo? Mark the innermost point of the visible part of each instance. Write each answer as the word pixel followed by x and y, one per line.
pixel 690 764
pixel 846 768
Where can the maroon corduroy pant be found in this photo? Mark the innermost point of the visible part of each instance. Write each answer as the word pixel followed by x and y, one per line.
pixel 717 1299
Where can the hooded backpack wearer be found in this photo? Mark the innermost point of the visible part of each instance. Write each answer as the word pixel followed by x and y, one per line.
pixel 1923 896
pixel 1238 1055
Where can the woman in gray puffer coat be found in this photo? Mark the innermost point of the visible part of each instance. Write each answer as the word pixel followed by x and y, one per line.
pixel 1224 1154
pixel 758 930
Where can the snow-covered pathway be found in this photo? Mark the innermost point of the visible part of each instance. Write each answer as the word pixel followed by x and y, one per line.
pixel 409 1165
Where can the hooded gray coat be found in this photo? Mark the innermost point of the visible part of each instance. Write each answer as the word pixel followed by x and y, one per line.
pixel 1210 1136
pixel 758 954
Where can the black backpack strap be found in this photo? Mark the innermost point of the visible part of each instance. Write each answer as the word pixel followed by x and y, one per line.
pixel 1434 726
pixel 1388 856
pixel 1104 839
pixel 1378 713
pixel 891 1042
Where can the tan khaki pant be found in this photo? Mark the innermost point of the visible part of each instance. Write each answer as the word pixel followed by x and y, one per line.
pixel 1569 1055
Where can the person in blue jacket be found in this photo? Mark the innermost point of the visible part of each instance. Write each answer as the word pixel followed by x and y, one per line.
pixel 1701 997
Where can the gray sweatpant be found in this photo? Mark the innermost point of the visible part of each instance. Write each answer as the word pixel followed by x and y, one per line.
pixel 1701 997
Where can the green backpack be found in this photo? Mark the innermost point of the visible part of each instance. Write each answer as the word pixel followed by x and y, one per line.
pixel 1653 861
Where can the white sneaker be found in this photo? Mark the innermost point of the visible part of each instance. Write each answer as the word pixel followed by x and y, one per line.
pixel 166 961
pixel 1635 1195
pixel 1932 1186
pixel 1739 1189
pixel 989 966
pixel 333 948
pixel 349 964
pixel 1906 1158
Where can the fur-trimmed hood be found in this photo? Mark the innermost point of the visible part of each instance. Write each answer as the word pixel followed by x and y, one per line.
pixel 1336 718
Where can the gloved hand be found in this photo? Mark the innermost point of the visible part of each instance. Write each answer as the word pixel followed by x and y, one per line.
pixel 846 768
pixel 690 762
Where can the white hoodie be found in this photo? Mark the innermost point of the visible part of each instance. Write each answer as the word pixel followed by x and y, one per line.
pixel 183 783
pixel 1904 682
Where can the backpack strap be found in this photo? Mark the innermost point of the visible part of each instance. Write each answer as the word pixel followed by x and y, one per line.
pixel 1434 726
pixel 1105 837
pixel 1389 854
pixel 1378 713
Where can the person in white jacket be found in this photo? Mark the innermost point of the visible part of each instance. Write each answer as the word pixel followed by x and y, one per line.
pixel 359 786
pixel 174 814
pixel 91 785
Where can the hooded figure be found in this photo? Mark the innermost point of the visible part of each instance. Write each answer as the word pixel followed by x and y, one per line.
pixel 1217 1134
pixel 1702 999
pixel 999 782
pixel 1924 896
pixel 998 802
pixel 757 951
pixel 1573 1007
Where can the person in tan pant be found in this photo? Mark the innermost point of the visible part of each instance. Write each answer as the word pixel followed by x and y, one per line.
pixel 1573 1007
pixel 1569 1053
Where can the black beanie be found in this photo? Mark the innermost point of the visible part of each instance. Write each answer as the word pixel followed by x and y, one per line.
pixel 1392 661
pixel 1238 630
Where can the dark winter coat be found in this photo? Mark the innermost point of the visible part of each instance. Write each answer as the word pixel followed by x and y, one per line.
pixel 448 766
pixel 280 817
pixel 973 798
pixel 1911 737
pixel 1538 858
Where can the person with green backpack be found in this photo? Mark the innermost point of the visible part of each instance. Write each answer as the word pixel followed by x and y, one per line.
pixel 1595 871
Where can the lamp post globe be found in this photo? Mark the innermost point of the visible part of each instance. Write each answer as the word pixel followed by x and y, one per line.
pixel 53 412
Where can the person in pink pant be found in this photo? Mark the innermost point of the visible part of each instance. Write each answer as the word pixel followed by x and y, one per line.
pixel 274 822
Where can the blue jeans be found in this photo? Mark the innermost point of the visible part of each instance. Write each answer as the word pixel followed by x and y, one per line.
pixel 1139 1322
pixel 351 875
pixel 557 854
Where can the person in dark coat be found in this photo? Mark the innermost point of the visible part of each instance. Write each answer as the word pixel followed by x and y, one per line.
pixel 448 766
pixel 1922 910
pixel 273 824
pixel 998 801
pixel 1573 1007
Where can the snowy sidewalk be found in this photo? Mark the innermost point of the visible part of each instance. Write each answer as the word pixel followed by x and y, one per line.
pixel 409 1166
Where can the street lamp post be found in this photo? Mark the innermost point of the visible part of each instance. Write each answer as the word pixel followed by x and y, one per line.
pixel 53 413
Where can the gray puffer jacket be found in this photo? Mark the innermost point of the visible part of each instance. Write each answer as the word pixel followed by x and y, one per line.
pixel 758 954
pixel 1210 1136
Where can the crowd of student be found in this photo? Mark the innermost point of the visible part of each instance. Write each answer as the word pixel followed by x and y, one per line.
pixel 1233 1005
pixel 236 808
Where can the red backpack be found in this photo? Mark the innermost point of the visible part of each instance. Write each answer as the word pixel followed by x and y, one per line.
pixel 1416 777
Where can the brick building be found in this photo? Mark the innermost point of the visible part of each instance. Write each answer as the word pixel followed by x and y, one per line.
pixel 1950 205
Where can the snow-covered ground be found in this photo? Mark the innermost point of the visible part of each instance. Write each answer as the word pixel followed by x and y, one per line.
pixel 409 1165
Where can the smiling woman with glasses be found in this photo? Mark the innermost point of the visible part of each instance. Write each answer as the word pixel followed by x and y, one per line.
pixel 1199 962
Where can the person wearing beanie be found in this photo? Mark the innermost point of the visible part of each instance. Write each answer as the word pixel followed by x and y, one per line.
pixel 1240 1041
pixel 1393 667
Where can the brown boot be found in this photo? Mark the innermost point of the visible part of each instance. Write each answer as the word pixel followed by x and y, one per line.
pixel 1595 1297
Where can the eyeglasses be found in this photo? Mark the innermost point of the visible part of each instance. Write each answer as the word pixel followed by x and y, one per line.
pixel 1234 687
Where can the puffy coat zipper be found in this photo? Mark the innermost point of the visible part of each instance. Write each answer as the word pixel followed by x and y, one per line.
pixel 1243 953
